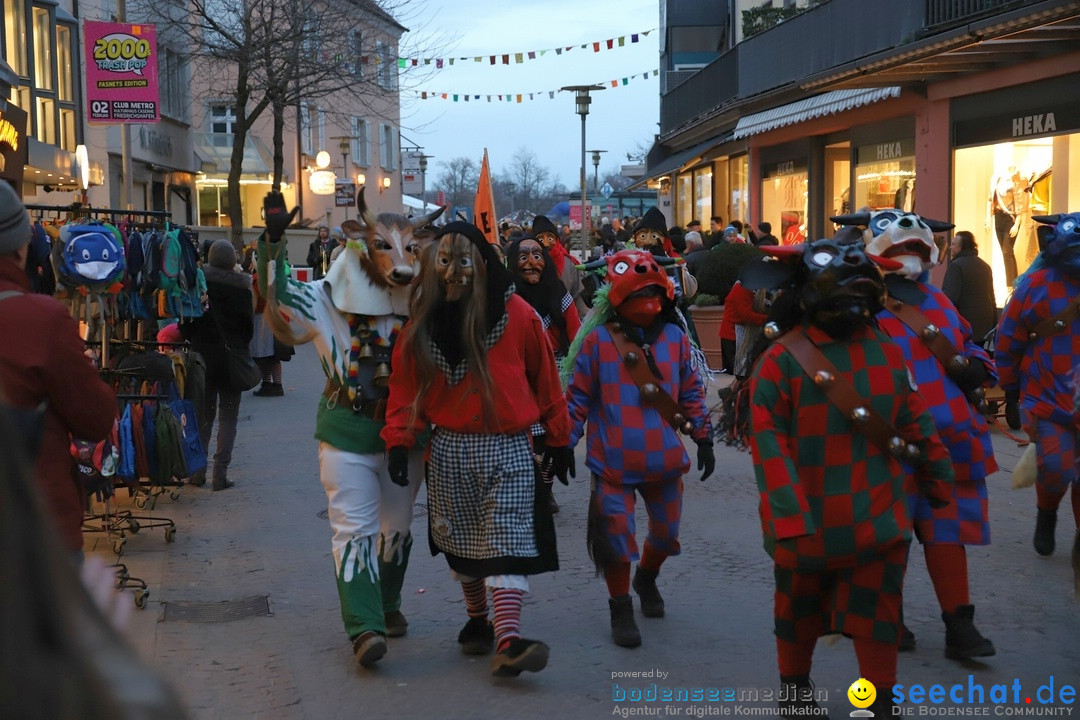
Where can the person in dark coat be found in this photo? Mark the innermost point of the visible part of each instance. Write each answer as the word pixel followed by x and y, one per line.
pixel 969 283
pixel 766 237
pixel 229 319
pixel 43 365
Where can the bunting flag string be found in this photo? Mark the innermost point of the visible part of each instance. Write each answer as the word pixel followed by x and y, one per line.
pixel 521 97
pixel 505 58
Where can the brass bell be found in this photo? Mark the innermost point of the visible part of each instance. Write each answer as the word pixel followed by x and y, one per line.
pixel 979 392
pixel 960 362
pixel 382 375
pixel 616 327
pixel 897 445
pixel 913 453
pixel 1033 336
pixel 649 389
pixel 687 428
pixel 860 414
pixel 363 331
pixel 680 419
pixel 366 351
pixel 896 304
pixel 1059 325
pixel 772 330
pixel 632 358
pixel 930 332
pixel 823 379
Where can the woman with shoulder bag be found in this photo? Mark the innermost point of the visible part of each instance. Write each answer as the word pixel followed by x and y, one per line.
pixel 222 336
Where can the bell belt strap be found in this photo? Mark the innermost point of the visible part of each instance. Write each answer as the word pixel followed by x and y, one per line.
pixel 337 394
pixel 651 393
pixel 946 353
pixel 843 395
pixel 1057 323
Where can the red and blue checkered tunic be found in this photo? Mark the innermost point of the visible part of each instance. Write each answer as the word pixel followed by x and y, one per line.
pixel 961 427
pixel 831 498
pixel 629 441
pixel 1042 369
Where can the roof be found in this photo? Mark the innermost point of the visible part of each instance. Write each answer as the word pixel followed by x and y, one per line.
pixel 813 107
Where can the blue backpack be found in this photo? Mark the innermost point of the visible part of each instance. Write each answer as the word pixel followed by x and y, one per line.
pixel 91 256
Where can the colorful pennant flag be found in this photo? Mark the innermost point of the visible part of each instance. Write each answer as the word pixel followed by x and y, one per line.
pixel 484 206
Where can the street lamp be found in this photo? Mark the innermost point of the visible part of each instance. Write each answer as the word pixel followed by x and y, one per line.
pixel 423 182
pixel 581 107
pixel 345 145
pixel 596 170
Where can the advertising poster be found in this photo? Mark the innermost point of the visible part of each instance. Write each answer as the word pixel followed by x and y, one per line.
pixel 121 73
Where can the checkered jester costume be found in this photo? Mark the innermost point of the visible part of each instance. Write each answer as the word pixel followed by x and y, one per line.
pixel 475 363
pixel 834 510
pixel 933 335
pixel 633 447
pixel 1037 349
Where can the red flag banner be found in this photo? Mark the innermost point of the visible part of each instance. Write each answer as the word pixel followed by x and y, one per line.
pixel 484 206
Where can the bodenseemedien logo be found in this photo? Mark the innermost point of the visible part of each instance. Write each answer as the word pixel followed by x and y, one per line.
pixel 862 694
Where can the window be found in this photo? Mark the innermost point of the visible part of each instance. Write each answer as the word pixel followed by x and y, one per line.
pixel 307 145
pixel 223 119
pixel 15 37
pixel 45 120
pixel 357 53
pixel 320 128
pixel 67 129
pixel 387 147
pixel 361 150
pixel 388 71
pixel 65 88
pixel 43 52
pixel 172 78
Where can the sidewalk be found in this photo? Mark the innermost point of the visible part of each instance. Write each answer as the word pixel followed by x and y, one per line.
pixel 265 538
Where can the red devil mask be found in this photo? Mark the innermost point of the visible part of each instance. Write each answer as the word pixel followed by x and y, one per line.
pixel 639 286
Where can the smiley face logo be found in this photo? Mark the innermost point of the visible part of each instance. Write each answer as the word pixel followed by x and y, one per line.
pixel 862 693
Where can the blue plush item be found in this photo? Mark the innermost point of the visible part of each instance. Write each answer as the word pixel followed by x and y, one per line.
pixel 91 256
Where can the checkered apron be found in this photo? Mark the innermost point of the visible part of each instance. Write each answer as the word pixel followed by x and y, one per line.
pixel 481 495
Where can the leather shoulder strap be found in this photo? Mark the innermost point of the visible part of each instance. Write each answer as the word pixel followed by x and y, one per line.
pixel 946 353
pixel 651 392
pixel 843 395
pixel 1057 323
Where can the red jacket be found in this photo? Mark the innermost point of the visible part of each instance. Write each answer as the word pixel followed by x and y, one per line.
pixel 524 378
pixel 41 358
pixel 739 310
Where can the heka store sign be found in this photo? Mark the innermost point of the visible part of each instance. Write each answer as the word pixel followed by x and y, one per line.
pixel 121 73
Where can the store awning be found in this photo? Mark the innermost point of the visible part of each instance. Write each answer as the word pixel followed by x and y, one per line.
pixel 677 160
pixel 213 153
pixel 813 107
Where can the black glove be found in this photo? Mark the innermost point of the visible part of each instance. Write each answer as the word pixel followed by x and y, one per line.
pixel 277 215
pixel 935 495
pixel 398 465
pixel 1012 408
pixel 558 461
pixel 971 376
pixel 706 458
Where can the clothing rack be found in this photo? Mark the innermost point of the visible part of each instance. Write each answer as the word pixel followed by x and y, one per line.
pixel 79 210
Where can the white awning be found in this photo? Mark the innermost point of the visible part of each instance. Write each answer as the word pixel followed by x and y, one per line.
pixel 415 203
pixel 813 107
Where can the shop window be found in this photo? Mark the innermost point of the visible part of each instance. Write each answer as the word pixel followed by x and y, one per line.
pixel 43 50
pixel 784 202
pixel 739 189
pixel 67 129
pixel 213 205
pixel 837 196
pixel 998 188
pixel 15 44
pixel 45 120
pixel 702 195
pixel 684 198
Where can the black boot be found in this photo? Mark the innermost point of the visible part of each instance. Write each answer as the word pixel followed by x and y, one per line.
pixel 550 497
pixel 907 639
pixel 221 482
pixel 962 640
pixel 652 604
pixel 624 630
pixel 1045 522
pixel 882 707
pixel 797 698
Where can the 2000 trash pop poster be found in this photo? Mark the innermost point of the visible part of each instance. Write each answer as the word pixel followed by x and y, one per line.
pixel 121 73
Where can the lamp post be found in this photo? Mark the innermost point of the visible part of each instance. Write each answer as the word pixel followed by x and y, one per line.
pixel 345 145
pixel 581 107
pixel 596 170
pixel 423 182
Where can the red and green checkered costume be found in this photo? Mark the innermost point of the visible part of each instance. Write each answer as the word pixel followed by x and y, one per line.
pixel 833 504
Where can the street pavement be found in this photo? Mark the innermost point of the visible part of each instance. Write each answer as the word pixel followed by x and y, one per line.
pixel 266 538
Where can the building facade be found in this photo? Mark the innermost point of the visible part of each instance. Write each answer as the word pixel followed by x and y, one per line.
pixel 949 109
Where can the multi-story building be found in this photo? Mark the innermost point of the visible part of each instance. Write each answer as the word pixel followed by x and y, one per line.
pixel 856 103
pixel 180 163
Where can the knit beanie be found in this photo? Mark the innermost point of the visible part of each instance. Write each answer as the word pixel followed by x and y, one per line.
pixel 14 222
pixel 222 255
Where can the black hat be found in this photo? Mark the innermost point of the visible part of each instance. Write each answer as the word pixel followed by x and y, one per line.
pixel 541 224
pixel 693 222
pixel 652 220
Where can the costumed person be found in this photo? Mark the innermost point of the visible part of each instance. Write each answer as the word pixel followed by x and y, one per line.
pixel 318 256
pixel 634 379
pixel 834 415
pixel 354 316
pixel 565 264
pixel 1036 347
pixel 650 234
pixel 536 281
pixel 474 361
pixel 952 373
pixel 264 349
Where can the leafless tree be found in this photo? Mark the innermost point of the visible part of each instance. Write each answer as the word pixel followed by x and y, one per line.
pixel 458 180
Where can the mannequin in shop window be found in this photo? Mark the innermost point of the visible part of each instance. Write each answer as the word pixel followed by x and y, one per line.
pixel 905 196
pixel 1008 206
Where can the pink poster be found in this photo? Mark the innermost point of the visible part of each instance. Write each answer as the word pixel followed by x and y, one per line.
pixel 121 73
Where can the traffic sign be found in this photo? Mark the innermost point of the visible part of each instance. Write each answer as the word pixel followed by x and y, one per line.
pixel 606 190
